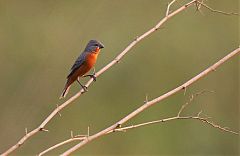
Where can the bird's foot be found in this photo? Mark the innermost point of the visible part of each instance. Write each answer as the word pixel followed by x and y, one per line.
pixel 84 89
pixel 83 86
pixel 91 76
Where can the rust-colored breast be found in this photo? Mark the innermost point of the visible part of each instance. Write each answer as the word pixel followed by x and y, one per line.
pixel 91 59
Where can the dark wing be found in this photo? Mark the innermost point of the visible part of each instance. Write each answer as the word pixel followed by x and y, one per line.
pixel 80 61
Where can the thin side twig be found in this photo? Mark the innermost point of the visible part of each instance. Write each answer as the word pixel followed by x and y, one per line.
pixel 204 120
pixel 168 7
pixel 191 97
pixel 199 4
pixel 72 139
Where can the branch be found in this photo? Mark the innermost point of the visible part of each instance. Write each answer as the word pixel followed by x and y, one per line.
pixel 116 60
pixel 191 99
pixel 204 120
pixel 107 67
pixel 199 4
pixel 168 7
pixel 177 117
pixel 153 102
pixel 72 139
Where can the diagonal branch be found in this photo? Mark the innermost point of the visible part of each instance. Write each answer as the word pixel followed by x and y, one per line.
pixel 177 117
pixel 155 101
pixel 41 127
pixel 116 60
pixel 72 139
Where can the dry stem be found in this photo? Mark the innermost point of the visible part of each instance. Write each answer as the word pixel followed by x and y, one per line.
pixel 177 117
pixel 155 101
pixel 116 60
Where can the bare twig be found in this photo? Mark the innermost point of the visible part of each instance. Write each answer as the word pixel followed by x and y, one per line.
pixel 192 96
pixel 177 117
pixel 199 4
pixel 72 139
pixel 113 62
pixel 153 102
pixel 205 120
pixel 146 99
pixel 124 129
pixel 168 7
pixel 116 60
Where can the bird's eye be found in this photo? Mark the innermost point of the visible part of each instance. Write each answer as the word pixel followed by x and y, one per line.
pixel 95 44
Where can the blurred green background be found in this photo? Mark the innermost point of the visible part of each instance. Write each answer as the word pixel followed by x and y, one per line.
pixel 40 40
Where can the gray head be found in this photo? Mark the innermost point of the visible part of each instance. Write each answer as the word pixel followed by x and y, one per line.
pixel 92 45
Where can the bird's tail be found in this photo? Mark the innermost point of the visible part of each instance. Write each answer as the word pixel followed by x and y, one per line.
pixel 65 91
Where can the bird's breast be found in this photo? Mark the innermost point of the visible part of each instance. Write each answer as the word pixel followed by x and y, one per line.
pixel 91 59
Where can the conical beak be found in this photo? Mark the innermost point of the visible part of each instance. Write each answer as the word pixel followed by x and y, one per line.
pixel 101 46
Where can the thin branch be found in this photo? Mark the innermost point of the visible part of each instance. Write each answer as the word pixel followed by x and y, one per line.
pixel 199 4
pixel 177 117
pixel 191 99
pixel 153 102
pixel 204 120
pixel 72 139
pixel 113 62
pixel 168 7
pixel 124 129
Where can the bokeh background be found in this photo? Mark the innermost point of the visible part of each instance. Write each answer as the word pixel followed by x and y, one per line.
pixel 40 40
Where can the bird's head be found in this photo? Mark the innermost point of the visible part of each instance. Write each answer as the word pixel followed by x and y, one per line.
pixel 94 46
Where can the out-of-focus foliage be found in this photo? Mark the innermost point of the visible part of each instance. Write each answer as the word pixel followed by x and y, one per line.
pixel 40 40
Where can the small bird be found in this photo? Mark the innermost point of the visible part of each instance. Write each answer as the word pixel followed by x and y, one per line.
pixel 82 65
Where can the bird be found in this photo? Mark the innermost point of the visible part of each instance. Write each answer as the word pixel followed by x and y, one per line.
pixel 84 63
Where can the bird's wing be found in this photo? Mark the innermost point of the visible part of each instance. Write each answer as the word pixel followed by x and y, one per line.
pixel 80 61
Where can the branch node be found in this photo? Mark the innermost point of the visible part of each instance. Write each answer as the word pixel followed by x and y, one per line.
pixel 58 110
pixel 198 5
pixel 116 128
pixel 168 7
pixel 199 113
pixel 44 130
pixel 146 99
pixel 214 69
pixel 136 38
pixel 117 60
pixel 118 125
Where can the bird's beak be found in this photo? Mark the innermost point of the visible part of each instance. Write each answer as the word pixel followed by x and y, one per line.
pixel 101 46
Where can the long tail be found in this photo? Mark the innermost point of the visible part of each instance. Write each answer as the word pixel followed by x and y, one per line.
pixel 65 91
